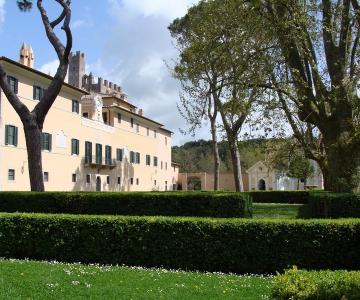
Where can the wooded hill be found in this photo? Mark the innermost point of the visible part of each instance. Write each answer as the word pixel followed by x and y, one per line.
pixel 197 156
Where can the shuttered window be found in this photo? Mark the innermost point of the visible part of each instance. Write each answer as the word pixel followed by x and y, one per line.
pixel 74 147
pixel 11 135
pixel 14 83
pixel 46 141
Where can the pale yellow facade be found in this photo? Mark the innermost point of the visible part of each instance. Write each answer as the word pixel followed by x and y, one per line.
pixel 72 172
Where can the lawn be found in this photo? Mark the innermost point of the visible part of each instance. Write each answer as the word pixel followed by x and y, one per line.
pixel 43 280
pixel 277 211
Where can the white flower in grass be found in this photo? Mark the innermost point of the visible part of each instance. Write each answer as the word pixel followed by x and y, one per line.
pixel 75 282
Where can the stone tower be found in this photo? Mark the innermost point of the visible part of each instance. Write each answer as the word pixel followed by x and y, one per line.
pixel 76 69
pixel 26 56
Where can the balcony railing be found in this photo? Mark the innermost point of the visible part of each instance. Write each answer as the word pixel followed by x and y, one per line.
pixel 98 161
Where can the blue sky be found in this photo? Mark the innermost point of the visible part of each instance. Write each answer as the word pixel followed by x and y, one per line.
pixel 125 41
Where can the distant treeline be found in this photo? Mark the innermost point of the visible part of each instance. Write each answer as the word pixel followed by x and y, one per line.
pixel 197 156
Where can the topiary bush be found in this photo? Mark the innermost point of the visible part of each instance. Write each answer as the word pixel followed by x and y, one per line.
pixel 319 285
pixel 198 204
pixel 334 205
pixel 226 245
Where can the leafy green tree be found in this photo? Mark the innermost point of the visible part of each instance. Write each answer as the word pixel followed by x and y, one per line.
pixel 316 75
pixel 300 167
pixel 33 121
pixel 219 53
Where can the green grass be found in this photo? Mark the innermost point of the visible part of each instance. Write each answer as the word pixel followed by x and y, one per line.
pixel 43 280
pixel 276 211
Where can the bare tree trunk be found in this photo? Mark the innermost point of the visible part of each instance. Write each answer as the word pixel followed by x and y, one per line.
pixel 235 158
pixel 33 145
pixel 216 155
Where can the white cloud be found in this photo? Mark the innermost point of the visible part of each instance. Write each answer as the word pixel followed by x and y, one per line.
pixel 2 12
pixel 163 8
pixel 50 67
pixel 134 56
pixel 80 24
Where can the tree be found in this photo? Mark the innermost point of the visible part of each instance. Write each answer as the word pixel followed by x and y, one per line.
pixel 219 51
pixel 197 103
pixel 300 167
pixel 315 75
pixel 33 120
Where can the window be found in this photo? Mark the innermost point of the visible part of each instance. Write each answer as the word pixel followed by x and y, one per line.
pixel 119 117
pixel 74 147
pixel 46 141
pixel 37 92
pixel 119 180
pixel 137 127
pixel 131 181
pixel 46 176
pixel 155 182
pixel 86 115
pixel 108 155
pixel 108 179
pixel 88 152
pixel 137 158
pixel 119 154
pixel 165 141
pixel 166 186
pixel 155 133
pixel 147 131
pixel 161 164
pixel 11 174
pixel 165 165
pixel 105 117
pixel 132 157
pixel 88 178
pixel 73 177
pixel 137 181
pixel 99 154
pixel 155 161
pixel 148 160
pixel 75 106
pixel 132 122
pixel 11 135
pixel 13 82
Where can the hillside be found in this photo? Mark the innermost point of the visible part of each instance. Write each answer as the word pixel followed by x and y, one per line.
pixel 197 156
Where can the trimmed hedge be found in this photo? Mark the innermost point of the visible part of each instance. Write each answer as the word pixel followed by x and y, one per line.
pixel 197 204
pixel 320 285
pixel 226 245
pixel 331 205
pixel 290 197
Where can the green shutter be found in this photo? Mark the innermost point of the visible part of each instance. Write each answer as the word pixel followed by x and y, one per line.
pixel 34 92
pixel 50 141
pixel 6 134
pixel 15 136
pixel 16 86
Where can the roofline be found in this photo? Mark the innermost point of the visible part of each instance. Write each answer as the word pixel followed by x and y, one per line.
pixel 8 60
pixel 137 115
pixel 117 98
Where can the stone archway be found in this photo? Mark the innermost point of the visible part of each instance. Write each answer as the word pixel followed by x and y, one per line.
pixel 194 183
pixel 98 184
pixel 262 185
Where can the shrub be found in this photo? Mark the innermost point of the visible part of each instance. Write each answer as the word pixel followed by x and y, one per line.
pixel 199 204
pixel 290 197
pixel 227 245
pixel 331 205
pixel 320 285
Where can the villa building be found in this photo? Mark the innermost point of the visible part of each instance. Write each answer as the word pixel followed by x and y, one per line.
pixel 93 138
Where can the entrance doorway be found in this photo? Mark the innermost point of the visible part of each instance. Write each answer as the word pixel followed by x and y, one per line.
pixel 98 184
pixel 262 185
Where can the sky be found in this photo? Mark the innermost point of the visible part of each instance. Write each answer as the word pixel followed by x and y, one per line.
pixel 125 41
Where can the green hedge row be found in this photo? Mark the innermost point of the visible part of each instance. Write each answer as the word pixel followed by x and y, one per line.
pixel 290 197
pixel 197 204
pixel 331 205
pixel 320 285
pixel 227 245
